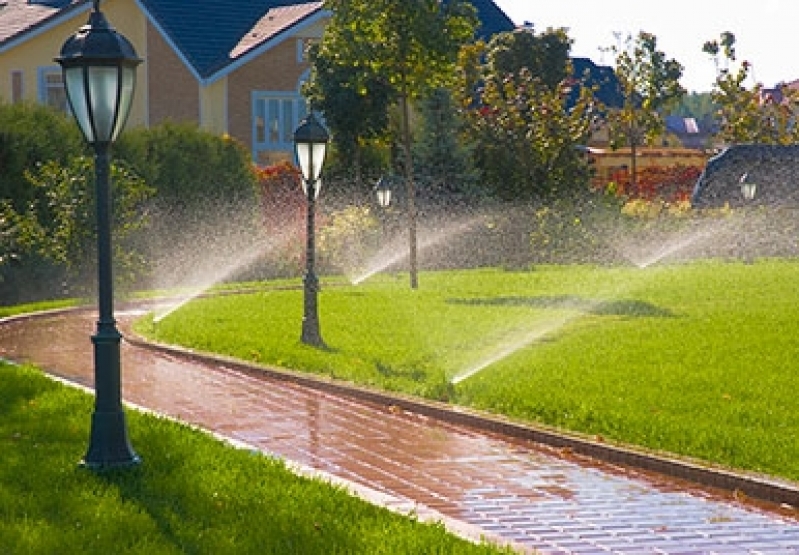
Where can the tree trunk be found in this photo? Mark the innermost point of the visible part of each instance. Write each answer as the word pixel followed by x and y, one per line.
pixel 411 188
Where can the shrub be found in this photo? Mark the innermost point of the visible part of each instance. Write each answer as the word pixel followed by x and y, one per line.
pixel 189 167
pixel 348 238
pixel 669 184
pixel 61 227
pixel 283 216
pixel 29 135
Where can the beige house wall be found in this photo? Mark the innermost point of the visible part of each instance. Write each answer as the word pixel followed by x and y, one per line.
pixel 213 107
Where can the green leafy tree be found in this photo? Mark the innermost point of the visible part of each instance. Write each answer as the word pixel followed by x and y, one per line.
pixel 353 99
pixel 545 55
pixel 441 154
pixel 526 139
pixel 749 115
pixel 650 84
pixel 413 46
pixel 698 105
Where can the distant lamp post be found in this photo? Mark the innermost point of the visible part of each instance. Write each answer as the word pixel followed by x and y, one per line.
pixel 748 187
pixel 383 192
pixel 99 68
pixel 748 190
pixel 310 143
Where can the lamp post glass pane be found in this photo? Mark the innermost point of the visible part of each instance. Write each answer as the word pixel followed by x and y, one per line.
pixel 383 197
pixel 103 83
pixel 311 156
pixel 78 101
pixel 125 99
pixel 316 188
pixel 383 192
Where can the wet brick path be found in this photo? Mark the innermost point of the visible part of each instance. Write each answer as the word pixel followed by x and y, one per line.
pixel 535 497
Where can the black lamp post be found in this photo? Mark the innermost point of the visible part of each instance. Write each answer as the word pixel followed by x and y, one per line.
pixel 310 143
pixel 99 67
pixel 748 190
pixel 748 187
pixel 383 192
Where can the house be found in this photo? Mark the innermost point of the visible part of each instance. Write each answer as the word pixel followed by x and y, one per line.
pixel 232 67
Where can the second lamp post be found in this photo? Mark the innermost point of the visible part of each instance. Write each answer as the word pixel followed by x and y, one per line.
pixel 310 143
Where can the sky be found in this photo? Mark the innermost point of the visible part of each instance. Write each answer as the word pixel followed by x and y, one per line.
pixel 765 31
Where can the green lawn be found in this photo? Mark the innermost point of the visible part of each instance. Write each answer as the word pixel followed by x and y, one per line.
pixel 695 359
pixel 193 494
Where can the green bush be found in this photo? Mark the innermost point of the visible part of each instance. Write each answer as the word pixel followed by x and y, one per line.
pixel 189 167
pixel 347 238
pixel 31 134
pixel 60 227
pixel 205 194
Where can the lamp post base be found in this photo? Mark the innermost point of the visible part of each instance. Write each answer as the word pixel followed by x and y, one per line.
pixel 310 319
pixel 310 334
pixel 109 446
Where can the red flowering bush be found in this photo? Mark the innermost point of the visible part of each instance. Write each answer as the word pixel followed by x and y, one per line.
pixel 283 212
pixel 669 184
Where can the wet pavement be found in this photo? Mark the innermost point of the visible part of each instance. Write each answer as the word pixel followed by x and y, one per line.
pixel 535 497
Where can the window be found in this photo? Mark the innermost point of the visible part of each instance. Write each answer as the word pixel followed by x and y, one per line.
pixel 51 88
pixel 17 90
pixel 275 117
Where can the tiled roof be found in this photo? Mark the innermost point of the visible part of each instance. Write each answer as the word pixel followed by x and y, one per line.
pixel 603 77
pixel 20 16
pixel 271 24
pixel 207 32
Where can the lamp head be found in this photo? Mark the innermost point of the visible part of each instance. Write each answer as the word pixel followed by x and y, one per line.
pixel 383 192
pixel 748 187
pixel 99 68
pixel 310 143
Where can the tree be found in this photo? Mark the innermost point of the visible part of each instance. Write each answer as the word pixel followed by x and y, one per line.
pixel 546 55
pixel 697 105
pixel 527 140
pixel 749 115
pixel 526 137
pixel 354 100
pixel 650 85
pixel 440 152
pixel 413 46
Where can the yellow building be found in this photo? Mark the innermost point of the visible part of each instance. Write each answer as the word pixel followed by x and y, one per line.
pixel 231 67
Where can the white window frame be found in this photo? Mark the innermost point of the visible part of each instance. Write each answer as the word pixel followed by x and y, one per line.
pixel 45 87
pixel 275 116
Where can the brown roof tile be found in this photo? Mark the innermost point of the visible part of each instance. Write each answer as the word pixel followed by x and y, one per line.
pixel 271 24
pixel 20 16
